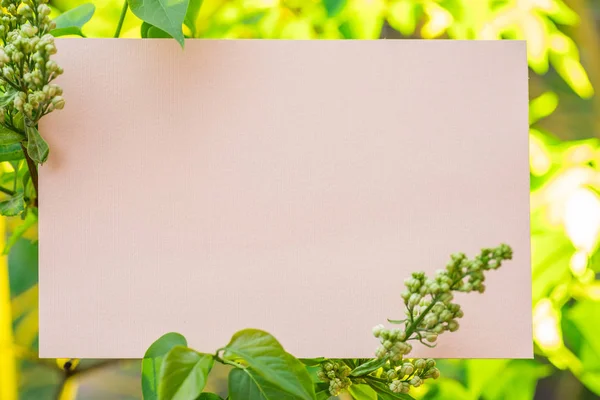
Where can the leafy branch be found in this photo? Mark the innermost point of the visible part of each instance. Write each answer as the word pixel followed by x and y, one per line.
pixel 263 370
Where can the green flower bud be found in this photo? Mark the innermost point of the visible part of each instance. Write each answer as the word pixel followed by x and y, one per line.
pixel 58 102
pixel 377 330
pixel 407 369
pixel 431 337
pixel 420 363
pixel 416 381
pixel 453 326
pixel 396 386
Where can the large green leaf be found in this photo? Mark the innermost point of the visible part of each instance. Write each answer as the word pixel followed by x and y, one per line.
pixel 29 221
pixel 245 384
pixel 209 396
pixel 8 136
pixel 153 360
pixel 11 152
pixel 13 206
pixel 70 22
pixel 362 392
pixel 167 15
pixel 265 357
pixel 183 374
pixel 37 148
pixel 368 367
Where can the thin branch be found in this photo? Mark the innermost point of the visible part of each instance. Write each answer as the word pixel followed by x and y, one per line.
pixel 121 19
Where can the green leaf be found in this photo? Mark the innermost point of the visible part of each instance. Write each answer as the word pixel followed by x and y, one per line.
pixel 144 30
pixel 11 152
pixel 167 15
pixel 19 231
pixel 7 97
pixel 266 358
pixel 183 374
pixel 369 366
pixel 8 136
pixel 72 30
pixel 156 33
pixel 192 15
pixel 362 392
pixel 402 16
pixel 148 31
pixel 480 373
pixel 312 361
pixel 322 391
pixel 209 396
pixel 246 384
pixel 333 7
pixel 542 106
pixel 384 392
pixel 37 148
pixel 517 381
pixel 153 360
pixel 13 206
pixel 448 389
pixel 71 21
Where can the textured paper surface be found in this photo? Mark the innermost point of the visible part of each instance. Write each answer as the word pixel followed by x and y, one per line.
pixel 286 186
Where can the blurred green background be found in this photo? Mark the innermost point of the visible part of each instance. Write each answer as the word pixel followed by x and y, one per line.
pixel 563 44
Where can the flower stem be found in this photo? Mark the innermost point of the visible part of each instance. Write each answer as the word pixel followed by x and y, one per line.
pixel 121 19
pixel 33 172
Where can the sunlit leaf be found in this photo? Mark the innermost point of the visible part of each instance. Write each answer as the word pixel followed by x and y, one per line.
pixel 164 14
pixel 183 374
pixel 71 21
pixel 11 152
pixel 574 74
pixel 15 205
pixel 517 381
pixel 402 16
pixel 481 373
pixel 152 362
pixel 542 106
pixel 265 357
pixel 19 231
pixel 536 31
pixel 362 392
pixel 438 20
pixel 365 18
pixel 191 15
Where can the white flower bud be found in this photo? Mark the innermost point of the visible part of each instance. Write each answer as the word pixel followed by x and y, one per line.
pixel 377 330
pixel 58 102
pixel 420 363
pixel 416 381
pixel 407 369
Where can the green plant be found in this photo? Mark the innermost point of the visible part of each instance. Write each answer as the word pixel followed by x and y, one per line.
pixel 263 370
pixel 27 94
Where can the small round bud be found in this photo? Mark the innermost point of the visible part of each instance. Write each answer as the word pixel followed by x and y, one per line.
pixel 416 381
pixel 432 337
pixel 377 330
pixel 453 326
pixel 58 102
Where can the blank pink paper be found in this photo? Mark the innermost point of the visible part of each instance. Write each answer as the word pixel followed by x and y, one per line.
pixel 289 186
